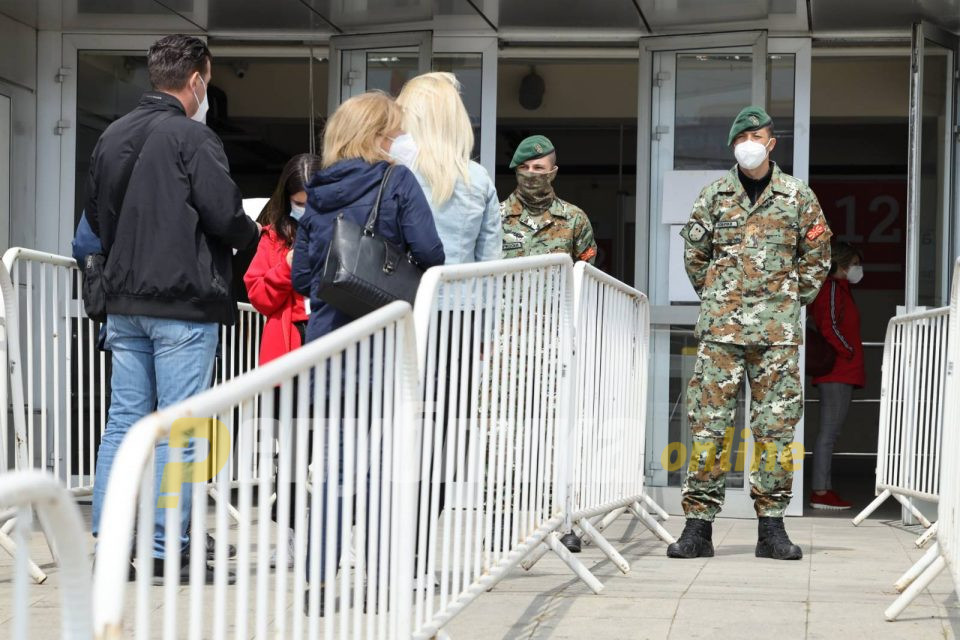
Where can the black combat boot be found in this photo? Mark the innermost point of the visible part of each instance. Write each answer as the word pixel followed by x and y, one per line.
pixel 772 541
pixel 696 541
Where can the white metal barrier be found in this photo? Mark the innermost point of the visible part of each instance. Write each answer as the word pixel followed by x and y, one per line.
pixel 13 448
pixel 346 407
pixel 946 552
pixel 497 363
pixel 62 373
pixel 911 410
pixel 239 353
pixel 24 492
pixel 613 336
pixel 63 377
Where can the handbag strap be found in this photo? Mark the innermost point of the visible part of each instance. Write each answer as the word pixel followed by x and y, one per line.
pixel 372 220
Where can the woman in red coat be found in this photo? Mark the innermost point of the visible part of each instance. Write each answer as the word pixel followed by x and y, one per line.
pixel 268 277
pixel 838 320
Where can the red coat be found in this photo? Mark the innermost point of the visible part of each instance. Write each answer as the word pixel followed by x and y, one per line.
pixel 271 293
pixel 838 320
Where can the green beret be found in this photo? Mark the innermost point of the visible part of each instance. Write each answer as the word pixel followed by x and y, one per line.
pixel 530 149
pixel 750 119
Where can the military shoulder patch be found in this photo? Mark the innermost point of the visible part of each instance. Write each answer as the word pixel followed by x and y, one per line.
pixel 696 232
pixel 815 232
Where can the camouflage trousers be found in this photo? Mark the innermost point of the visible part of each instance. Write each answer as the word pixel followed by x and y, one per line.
pixel 776 405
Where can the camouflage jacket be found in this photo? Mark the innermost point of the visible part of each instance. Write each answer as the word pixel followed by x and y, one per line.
pixel 563 228
pixel 755 266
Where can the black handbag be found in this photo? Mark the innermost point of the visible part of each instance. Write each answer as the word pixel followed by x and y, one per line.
pixel 363 271
pixel 94 295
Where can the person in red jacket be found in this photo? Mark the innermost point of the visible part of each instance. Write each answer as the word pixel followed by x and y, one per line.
pixel 268 277
pixel 838 320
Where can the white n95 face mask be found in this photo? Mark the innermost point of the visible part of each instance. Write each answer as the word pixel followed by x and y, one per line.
pixel 750 154
pixel 404 150
pixel 202 106
pixel 855 274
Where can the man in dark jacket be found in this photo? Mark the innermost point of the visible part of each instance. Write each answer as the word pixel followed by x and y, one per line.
pixel 167 213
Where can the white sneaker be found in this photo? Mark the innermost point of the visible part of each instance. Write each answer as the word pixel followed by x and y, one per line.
pixel 291 551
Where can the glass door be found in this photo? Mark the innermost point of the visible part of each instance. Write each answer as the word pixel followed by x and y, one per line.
pixel 696 87
pixel 384 62
pixel 931 192
pixel 6 129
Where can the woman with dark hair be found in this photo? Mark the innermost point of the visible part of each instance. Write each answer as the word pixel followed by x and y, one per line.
pixel 268 278
pixel 838 319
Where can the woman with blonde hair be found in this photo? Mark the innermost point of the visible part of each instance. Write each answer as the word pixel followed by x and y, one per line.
pixel 437 147
pixel 356 154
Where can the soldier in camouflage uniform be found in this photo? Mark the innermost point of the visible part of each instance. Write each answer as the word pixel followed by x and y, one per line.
pixel 535 220
pixel 757 249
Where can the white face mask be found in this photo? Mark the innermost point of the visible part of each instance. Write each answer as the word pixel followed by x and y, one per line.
pixel 297 211
pixel 202 106
pixel 855 274
pixel 404 150
pixel 750 154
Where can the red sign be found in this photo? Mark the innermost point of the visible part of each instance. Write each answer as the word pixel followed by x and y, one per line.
pixel 869 213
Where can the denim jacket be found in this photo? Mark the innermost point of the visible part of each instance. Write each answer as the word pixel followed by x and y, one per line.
pixel 469 222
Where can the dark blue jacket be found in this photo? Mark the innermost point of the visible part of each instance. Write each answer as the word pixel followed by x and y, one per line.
pixel 85 241
pixel 351 187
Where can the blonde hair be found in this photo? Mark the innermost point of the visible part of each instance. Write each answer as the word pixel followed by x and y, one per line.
pixel 433 113
pixel 354 129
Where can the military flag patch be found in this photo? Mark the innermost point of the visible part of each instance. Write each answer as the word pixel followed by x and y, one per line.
pixel 815 232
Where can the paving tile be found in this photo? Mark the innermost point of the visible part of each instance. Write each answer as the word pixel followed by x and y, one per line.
pixel 838 590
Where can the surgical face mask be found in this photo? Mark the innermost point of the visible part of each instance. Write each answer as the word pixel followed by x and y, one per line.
pixel 297 211
pixel 202 105
pixel 855 274
pixel 404 150
pixel 750 154
pixel 535 190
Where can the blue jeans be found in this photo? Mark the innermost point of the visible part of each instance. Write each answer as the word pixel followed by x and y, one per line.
pixel 157 362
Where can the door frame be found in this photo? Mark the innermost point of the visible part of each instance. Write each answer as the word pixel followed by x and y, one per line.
pixel 651 250
pixel 422 41
pixel 58 137
pixel 920 33
pixel 429 44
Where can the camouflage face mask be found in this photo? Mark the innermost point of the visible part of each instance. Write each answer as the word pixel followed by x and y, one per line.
pixel 535 190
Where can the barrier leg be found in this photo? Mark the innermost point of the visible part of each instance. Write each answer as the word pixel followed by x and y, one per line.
pixel 8 545
pixel 919 567
pixel 912 509
pixel 599 523
pixel 602 522
pixel 534 557
pixel 870 508
pixel 921 583
pixel 553 541
pixel 651 523
pixel 231 510
pixel 928 535
pixel 604 545
pixel 663 515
